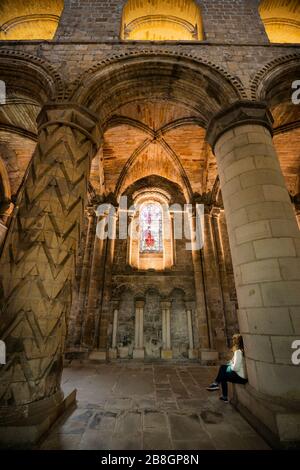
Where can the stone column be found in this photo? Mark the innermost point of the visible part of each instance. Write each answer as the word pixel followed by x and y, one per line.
pixel 77 314
pixel 139 352
pixel 166 352
pixel 113 349
pixel 90 330
pixel 104 310
pixel 37 267
pixel 207 351
pixel 265 246
pixel 193 353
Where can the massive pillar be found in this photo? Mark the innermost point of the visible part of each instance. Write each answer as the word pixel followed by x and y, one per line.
pixel 37 265
pixel 265 247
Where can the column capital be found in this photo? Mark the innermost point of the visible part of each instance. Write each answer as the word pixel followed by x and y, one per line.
pixel 139 303
pixel 190 305
pixel 239 113
pixel 71 115
pixel 165 304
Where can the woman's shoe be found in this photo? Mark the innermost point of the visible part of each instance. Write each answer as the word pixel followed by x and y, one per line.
pixel 214 386
pixel 224 399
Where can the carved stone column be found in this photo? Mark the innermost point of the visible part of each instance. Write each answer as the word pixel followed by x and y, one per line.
pixel 265 245
pixel 139 352
pixel 37 266
pixel 166 352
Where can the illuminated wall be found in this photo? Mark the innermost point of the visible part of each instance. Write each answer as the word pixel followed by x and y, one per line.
pixel 35 19
pixel 158 20
pixel 281 20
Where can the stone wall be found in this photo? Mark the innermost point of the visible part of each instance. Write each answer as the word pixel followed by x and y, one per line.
pixel 223 20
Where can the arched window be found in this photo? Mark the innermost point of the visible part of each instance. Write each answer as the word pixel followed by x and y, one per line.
pixel 151 228
pixel 172 20
pixel 151 243
pixel 281 20
pixel 29 20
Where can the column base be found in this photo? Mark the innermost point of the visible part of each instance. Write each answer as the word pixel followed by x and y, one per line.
pixel 100 356
pixel 208 355
pixel 23 426
pixel 123 352
pixel 166 354
pixel 277 422
pixel 112 353
pixel 193 353
pixel 138 353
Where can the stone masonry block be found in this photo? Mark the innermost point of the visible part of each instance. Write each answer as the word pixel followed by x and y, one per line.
pixel 261 271
pixel 274 248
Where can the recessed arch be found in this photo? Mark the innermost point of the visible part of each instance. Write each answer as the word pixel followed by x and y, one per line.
pixel 34 20
pixel 273 84
pixel 173 20
pixel 281 20
pixel 29 76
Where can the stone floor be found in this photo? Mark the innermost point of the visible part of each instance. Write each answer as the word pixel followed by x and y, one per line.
pixel 148 406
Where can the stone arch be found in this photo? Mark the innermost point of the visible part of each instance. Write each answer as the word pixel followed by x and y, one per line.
pixel 30 76
pixel 280 71
pixel 29 20
pixel 273 84
pixel 199 84
pixel 281 20
pixel 160 21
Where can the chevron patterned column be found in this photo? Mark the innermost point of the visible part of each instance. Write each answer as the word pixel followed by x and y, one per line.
pixel 37 263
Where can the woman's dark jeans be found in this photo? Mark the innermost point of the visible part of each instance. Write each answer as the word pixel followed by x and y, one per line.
pixel 223 377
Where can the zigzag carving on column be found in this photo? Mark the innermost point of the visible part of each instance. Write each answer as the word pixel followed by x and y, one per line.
pixel 38 258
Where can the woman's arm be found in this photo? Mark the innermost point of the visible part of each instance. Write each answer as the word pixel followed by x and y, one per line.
pixel 237 360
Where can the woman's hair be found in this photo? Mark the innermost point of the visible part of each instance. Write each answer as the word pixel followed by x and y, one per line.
pixel 237 343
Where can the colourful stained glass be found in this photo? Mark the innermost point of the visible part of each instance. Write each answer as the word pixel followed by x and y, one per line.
pixel 151 228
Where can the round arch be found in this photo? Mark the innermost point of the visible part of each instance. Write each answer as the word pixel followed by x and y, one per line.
pixel 274 85
pixel 30 76
pixel 202 86
pixel 175 20
pixel 34 20
pixel 281 20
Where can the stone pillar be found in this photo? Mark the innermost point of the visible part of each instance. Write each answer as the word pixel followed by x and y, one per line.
pixel 265 246
pixel 36 269
pixel 193 353
pixel 139 352
pixel 207 351
pixel 77 315
pixel 166 352
pixel 104 310
pixel 113 349
pixel 213 287
pixel 90 330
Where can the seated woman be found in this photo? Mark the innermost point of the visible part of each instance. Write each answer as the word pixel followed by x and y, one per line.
pixel 234 371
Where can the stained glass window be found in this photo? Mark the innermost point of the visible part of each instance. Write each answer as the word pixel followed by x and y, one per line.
pixel 151 228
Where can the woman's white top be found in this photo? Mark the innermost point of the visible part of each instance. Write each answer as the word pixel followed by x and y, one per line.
pixel 238 365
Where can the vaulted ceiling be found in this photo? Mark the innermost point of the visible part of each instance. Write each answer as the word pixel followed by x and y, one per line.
pixel 157 138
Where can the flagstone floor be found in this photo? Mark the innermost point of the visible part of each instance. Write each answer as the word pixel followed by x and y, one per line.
pixel 130 406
